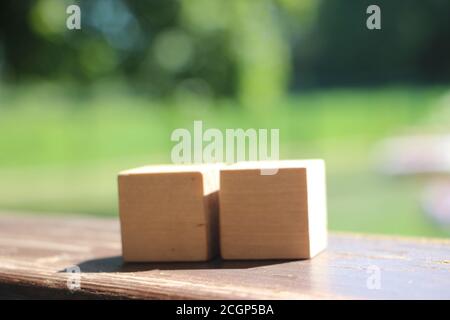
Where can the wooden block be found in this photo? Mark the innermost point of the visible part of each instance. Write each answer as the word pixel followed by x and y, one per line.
pixel 169 213
pixel 280 216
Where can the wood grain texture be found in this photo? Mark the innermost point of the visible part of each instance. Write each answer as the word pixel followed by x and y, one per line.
pixel 169 213
pixel 276 216
pixel 35 251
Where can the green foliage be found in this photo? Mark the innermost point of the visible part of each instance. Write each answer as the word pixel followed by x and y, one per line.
pixel 109 95
pixel 250 50
pixel 61 153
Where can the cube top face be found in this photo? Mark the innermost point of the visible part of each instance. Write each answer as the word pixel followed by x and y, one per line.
pixel 165 216
pixel 270 165
pixel 167 168
pixel 268 216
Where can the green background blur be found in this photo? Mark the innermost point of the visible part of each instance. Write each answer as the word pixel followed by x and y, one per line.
pixel 77 106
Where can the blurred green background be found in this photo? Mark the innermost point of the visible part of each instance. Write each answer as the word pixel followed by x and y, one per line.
pixel 77 106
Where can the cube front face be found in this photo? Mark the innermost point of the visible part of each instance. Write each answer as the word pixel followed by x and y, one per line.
pixel 164 217
pixel 264 216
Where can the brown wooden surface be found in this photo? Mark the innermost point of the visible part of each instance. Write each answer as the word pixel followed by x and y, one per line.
pixel 35 250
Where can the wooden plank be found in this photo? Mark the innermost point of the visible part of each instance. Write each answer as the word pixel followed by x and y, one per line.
pixel 36 250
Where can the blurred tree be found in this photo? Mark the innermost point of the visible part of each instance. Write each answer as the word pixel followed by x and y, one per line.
pixel 251 50
pixel 411 47
pixel 257 44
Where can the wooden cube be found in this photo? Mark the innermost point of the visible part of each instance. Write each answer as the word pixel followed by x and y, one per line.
pixel 279 216
pixel 169 213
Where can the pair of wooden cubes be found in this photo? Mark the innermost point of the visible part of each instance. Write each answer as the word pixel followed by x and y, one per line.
pixel 255 210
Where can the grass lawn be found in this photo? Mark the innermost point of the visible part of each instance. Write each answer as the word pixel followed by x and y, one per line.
pixel 60 149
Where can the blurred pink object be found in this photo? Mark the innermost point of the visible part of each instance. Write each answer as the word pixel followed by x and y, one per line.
pixel 417 154
pixel 436 201
pixel 421 154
